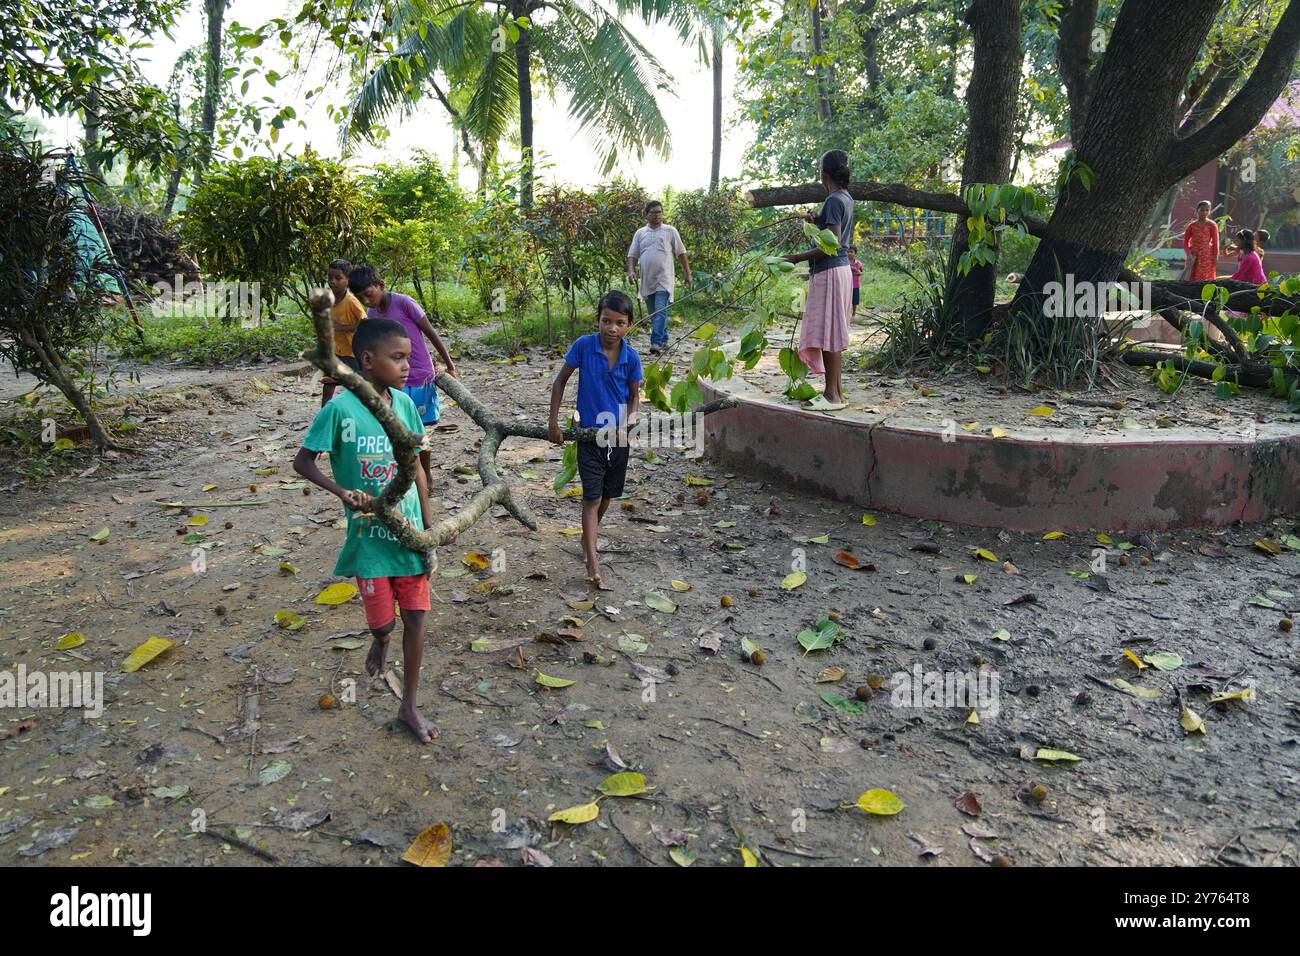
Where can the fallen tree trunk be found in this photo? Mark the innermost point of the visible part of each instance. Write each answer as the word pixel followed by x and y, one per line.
pixel 407 444
pixel 1253 375
pixel 896 193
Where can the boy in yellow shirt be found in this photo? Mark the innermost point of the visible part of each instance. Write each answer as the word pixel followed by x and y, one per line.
pixel 346 314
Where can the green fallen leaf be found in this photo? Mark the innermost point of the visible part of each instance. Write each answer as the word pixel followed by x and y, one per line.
pixel 654 599
pixel 1164 660
pixel 843 704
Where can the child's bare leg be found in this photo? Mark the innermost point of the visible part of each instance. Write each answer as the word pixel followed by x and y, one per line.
pixel 412 657
pixel 592 512
pixel 377 659
pixel 426 462
pixel 834 362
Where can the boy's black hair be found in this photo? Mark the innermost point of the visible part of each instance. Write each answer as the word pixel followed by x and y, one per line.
pixel 651 204
pixel 372 333
pixel 616 301
pixel 1246 239
pixel 342 265
pixel 835 164
pixel 362 277
pixel 1261 236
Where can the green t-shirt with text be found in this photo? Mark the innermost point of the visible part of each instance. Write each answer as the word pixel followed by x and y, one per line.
pixel 361 459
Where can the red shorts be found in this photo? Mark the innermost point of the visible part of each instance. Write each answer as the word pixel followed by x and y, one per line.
pixel 378 594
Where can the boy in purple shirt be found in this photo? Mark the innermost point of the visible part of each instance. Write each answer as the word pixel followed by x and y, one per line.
pixel 366 284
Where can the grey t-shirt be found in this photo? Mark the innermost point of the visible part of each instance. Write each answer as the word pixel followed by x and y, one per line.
pixel 838 209
pixel 655 250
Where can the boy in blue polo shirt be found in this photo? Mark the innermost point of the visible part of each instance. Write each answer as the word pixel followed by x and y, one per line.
pixel 609 393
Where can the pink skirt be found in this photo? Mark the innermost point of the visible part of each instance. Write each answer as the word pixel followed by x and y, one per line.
pixel 826 316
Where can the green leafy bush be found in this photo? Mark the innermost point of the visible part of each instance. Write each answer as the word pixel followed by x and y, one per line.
pixel 278 222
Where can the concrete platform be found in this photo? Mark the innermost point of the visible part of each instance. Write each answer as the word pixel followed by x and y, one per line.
pixel 1036 479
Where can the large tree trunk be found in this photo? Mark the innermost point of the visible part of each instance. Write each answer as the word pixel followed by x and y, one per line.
pixel 1132 120
pixel 1132 137
pixel 990 140
pixel 522 52
pixel 216 13
pixel 716 168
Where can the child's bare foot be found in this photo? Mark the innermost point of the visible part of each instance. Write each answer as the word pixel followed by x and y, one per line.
pixel 593 571
pixel 423 729
pixel 377 659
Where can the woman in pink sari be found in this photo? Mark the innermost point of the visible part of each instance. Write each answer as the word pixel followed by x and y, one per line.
pixel 824 334
pixel 1201 245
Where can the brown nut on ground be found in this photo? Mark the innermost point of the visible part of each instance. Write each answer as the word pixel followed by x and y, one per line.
pixel 327 702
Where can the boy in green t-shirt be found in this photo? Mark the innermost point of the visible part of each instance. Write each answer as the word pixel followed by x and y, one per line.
pixel 361 459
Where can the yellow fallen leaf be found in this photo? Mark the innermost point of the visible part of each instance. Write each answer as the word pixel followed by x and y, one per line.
pixel 626 784
pixel 698 482
pixel 1191 721
pixel 431 848
pixel 970 578
pixel 970 426
pixel 547 680
pixel 1105 539
pixel 1246 696
pixel 985 554
pixel 68 641
pixel 198 520
pixel 209 487
pixel 880 802
pixel 1053 535
pixel 748 856
pixel 582 813
pixel 1135 660
pixel 476 561
pixel 793 580
pixel 570 531
pixel 339 593
pixel 574 492
pixel 289 621
pixel 974 718
pixel 275 469
pixel 868 520
pixel 1042 410
pixel 680 585
pixel 998 432
pixel 145 653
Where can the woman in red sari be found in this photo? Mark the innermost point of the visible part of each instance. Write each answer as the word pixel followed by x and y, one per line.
pixel 1201 244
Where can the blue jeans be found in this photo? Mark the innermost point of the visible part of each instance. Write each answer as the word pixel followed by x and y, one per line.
pixel 657 305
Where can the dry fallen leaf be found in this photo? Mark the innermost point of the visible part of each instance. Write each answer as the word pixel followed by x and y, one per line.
pixel 431 848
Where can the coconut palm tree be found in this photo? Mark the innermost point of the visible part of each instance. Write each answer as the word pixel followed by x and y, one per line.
pixel 494 48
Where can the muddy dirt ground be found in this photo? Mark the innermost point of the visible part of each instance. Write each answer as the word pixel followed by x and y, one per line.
pixel 225 727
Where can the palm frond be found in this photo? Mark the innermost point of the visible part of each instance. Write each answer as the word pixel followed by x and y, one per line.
pixel 612 81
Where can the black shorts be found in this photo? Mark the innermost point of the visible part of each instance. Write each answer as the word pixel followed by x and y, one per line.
pixel 856 295
pixel 603 470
